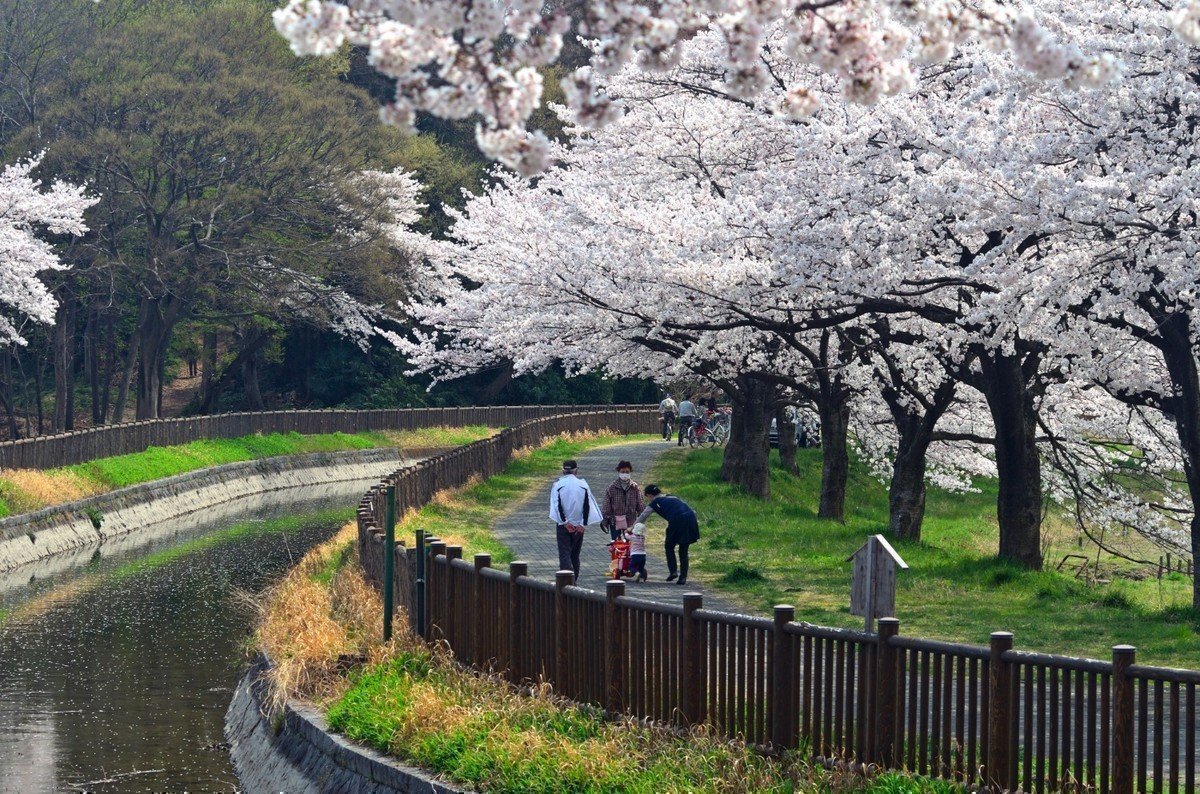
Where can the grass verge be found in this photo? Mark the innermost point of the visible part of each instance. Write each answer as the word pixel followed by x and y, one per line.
pixel 23 490
pixel 413 702
pixel 777 551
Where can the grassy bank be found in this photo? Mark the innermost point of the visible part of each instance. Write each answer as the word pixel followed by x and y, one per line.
pixel 764 553
pixel 24 490
pixel 412 702
pixel 464 516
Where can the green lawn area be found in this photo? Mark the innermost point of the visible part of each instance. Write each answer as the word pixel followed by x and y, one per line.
pixel 25 490
pixel 464 516
pixel 762 553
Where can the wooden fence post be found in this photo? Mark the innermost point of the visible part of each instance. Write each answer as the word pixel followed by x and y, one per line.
pixel 884 719
pixel 1123 657
pixel 450 629
pixel 389 563
pixel 783 672
pixel 418 620
pixel 1000 712
pixel 517 638
pixel 692 684
pixel 478 616
pixel 436 603
pixel 616 651
pixel 562 579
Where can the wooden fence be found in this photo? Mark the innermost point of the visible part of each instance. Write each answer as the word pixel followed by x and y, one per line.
pixel 79 446
pixel 988 717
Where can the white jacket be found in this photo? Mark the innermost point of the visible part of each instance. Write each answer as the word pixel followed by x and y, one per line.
pixel 571 493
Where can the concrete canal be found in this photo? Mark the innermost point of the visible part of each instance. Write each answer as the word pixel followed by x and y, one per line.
pixel 117 663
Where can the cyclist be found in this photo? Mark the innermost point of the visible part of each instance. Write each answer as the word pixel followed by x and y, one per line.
pixel 667 409
pixel 687 415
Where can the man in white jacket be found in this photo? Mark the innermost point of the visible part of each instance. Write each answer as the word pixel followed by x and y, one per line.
pixel 572 509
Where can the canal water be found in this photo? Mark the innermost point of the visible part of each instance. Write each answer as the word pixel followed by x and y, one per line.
pixel 117 663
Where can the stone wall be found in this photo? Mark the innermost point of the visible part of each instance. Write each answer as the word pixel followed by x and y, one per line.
pixel 54 530
pixel 292 749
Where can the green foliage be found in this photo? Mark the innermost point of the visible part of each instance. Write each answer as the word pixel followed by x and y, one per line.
pixel 955 589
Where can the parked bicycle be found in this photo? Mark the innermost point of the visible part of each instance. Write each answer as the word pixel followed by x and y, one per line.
pixel 700 434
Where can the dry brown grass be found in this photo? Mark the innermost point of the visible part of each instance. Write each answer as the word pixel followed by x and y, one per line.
pixel 32 489
pixel 311 629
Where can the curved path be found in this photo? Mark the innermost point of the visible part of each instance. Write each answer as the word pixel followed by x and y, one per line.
pixel 527 529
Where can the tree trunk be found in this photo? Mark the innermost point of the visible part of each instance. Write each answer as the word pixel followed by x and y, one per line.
pixel 1018 465
pixel 208 370
pixel 786 429
pixel 254 400
pixel 748 454
pixel 1185 381
pixel 64 363
pixel 10 413
pixel 834 410
pixel 156 321
pixel 37 395
pixel 906 494
pixel 127 373
pixel 91 362
pixel 110 358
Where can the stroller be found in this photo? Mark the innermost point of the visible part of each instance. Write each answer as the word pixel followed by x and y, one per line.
pixel 619 551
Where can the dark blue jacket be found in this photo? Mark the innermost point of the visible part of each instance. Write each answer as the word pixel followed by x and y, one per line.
pixel 682 526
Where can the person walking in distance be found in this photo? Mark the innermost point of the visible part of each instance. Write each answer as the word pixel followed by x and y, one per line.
pixel 682 529
pixel 687 416
pixel 572 509
pixel 667 409
pixel 622 501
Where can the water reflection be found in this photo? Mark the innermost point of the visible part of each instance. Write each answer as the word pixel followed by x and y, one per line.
pixel 115 675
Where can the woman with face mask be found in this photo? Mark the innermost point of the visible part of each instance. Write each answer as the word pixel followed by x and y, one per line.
pixel 622 501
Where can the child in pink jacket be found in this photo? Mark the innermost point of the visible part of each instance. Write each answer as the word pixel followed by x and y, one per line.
pixel 636 535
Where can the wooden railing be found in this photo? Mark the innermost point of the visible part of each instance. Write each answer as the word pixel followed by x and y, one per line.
pixel 79 446
pixel 987 717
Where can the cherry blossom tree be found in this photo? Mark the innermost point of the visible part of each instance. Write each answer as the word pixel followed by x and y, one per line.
pixel 455 60
pixel 28 210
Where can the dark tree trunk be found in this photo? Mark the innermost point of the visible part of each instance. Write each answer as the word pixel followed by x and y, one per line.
pixel 1180 359
pixel 156 321
pixel 834 410
pixel 110 358
pixel 906 494
pixel 786 430
pixel 208 370
pixel 748 454
pixel 6 373
pixel 254 400
pixel 37 395
pixel 64 363
pixel 250 348
pixel 91 363
pixel 127 374
pixel 1018 465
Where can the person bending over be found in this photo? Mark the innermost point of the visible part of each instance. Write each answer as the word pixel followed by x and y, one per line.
pixel 682 529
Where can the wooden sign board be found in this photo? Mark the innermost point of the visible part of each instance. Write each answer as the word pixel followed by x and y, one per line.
pixel 873 589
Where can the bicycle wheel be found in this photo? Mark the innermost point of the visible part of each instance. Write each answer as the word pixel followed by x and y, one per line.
pixel 721 432
pixel 710 438
pixel 691 437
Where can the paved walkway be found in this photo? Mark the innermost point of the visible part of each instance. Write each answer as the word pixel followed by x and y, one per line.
pixel 527 529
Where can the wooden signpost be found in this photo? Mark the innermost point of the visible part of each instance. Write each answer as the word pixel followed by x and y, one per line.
pixel 873 591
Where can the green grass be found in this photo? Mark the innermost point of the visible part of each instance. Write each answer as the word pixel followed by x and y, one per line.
pixel 30 490
pixel 156 462
pixel 478 732
pixel 762 553
pixel 465 517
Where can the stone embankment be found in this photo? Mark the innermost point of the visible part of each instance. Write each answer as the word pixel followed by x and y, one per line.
pixel 68 527
pixel 290 748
